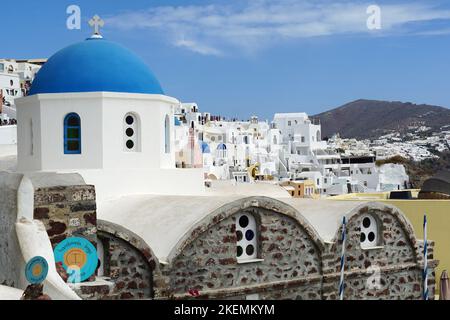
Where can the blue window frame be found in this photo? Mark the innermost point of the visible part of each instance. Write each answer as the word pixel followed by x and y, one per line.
pixel 72 134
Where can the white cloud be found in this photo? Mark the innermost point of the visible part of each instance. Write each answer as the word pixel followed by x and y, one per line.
pixel 196 47
pixel 254 24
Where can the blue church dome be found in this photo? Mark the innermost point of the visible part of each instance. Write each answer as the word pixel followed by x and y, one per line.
pixel 95 65
pixel 205 147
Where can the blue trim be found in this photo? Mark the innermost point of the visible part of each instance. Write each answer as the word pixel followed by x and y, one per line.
pixel 66 129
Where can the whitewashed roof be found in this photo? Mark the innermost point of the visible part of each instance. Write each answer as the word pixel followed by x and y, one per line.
pixel 163 221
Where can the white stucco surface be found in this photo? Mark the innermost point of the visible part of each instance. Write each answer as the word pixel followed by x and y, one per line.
pixel 229 188
pixel 102 115
pixel 8 150
pixel 9 293
pixel 113 183
pixel 324 215
pixel 160 220
pixel 34 241
pixel 8 135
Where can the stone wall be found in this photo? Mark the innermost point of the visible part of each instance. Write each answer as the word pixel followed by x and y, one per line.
pixel 391 270
pixel 9 247
pixel 100 289
pixel 293 266
pixel 290 261
pixel 67 211
pixel 127 268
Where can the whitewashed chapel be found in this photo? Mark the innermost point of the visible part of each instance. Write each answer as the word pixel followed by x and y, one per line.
pixel 96 159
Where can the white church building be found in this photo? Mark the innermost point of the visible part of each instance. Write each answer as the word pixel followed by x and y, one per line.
pixel 116 125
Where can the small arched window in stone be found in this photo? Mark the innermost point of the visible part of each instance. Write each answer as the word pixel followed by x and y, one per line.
pixel 131 133
pixel 369 232
pixel 246 237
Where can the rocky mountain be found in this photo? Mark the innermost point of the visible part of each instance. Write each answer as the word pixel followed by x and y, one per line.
pixel 369 119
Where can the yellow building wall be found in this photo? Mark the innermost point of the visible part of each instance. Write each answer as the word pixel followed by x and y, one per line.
pixel 438 221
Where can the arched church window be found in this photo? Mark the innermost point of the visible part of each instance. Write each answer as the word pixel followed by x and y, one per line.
pixel 369 232
pixel 222 151
pixel 246 236
pixel 72 134
pixel 131 132
pixel 318 137
pixel 167 134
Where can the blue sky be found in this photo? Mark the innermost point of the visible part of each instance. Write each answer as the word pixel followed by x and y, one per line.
pixel 238 58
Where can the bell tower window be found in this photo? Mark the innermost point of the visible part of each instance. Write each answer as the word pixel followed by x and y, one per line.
pixel 131 133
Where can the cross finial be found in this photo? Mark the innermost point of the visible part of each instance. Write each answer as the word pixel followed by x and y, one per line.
pixel 96 22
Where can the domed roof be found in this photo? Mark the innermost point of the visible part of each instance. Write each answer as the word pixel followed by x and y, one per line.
pixel 95 65
pixel 205 147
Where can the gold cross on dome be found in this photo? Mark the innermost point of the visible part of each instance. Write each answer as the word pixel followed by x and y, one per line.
pixel 96 22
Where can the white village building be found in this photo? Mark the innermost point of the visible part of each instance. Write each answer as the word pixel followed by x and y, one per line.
pixel 15 81
pixel 291 147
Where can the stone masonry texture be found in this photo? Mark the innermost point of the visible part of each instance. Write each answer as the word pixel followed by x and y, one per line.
pixel 67 211
pixel 127 268
pixel 287 253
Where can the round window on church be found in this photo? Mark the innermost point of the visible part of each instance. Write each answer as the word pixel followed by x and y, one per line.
pixel 246 239
pixel 130 120
pixel 130 144
pixel 243 221
pixel 369 232
pixel 131 133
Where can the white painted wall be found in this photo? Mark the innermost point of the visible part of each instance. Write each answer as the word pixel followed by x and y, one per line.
pixel 10 92
pixel 41 144
pixel 28 135
pixel 112 183
pixel 8 134
pixel 151 110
